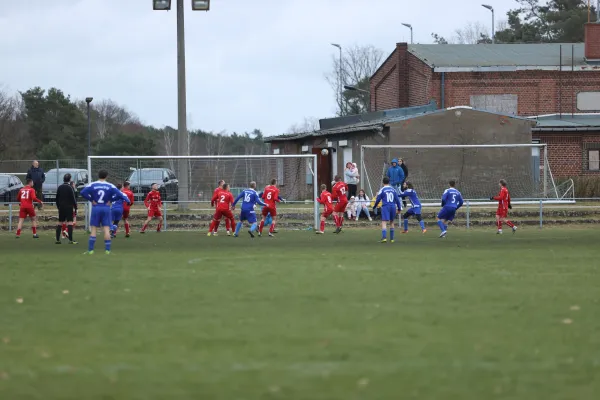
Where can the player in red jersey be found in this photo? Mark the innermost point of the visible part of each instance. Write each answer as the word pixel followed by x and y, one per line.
pixel 214 204
pixel 127 207
pixel 26 197
pixel 153 203
pixel 327 203
pixel 271 197
pixel 339 193
pixel 503 199
pixel 223 199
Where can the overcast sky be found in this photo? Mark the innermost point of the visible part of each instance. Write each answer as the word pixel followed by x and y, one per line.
pixel 250 64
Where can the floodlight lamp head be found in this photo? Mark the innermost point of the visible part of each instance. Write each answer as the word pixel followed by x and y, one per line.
pixel 336 45
pixel 89 99
pixel 488 7
pixel 161 5
pixel 409 26
pixel 200 5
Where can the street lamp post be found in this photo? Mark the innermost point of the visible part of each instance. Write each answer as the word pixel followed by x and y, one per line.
pixel 88 100
pixel 182 133
pixel 409 26
pixel 340 78
pixel 493 27
pixel 355 89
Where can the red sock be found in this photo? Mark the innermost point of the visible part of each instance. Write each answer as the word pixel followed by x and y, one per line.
pixel 499 225
pixel 144 227
pixel 261 226
pixel 34 229
pixel 510 224
pixel 216 228
pixel 272 227
pixel 18 232
pixel 64 227
pixel 126 228
pixel 227 224
pixel 322 226
pixel 159 226
pixel 341 221
pixel 211 228
pixel 336 219
pixel 232 224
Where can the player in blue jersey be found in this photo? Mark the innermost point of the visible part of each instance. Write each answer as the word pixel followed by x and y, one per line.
pixel 388 196
pixel 250 199
pixel 451 201
pixel 409 191
pixel 116 210
pixel 102 194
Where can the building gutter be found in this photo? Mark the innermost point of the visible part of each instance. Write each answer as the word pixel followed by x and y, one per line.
pixel 515 68
pixel 568 129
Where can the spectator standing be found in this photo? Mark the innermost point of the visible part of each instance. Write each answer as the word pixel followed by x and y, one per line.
pixel 362 203
pixel 37 176
pixel 405 170
pixel 396 175
pixel 351 178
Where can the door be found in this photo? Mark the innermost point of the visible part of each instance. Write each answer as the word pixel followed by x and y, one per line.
pixel 323 167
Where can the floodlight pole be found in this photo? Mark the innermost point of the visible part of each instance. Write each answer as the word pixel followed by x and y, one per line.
pixel 182 133
pixel 493 27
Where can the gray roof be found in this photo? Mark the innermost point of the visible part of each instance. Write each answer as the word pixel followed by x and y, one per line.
pixel 567 122
pixel 456 57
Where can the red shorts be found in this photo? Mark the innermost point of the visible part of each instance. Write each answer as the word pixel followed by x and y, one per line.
pixel 125 213
pixel 154 213
pixel 223 213
pixel 269 210
pixel 26 212
pixel 502 212
pixel 340 207
pixel 327 212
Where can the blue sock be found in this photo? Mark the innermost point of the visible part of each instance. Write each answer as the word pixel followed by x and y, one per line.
pixel 91 243
pixel 405 224
pixel 107 245
pixel 445 227
pixel 392 233
pixel 422 223
pixel 383 234
pixel 238 227
pixel 441 225
pixel 253 227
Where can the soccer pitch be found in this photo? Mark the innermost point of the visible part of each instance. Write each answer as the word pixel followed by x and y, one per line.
pixel 300 316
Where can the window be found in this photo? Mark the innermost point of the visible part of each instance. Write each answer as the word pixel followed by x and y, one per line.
pixel 309 174
pixel 499 103
pixel 588 101
pixel 594 160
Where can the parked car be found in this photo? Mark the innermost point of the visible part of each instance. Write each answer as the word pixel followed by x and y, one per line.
pixel 9 187
pixel 142 179
pixel 54 177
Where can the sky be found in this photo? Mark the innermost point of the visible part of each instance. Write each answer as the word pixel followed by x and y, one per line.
pixel 250 64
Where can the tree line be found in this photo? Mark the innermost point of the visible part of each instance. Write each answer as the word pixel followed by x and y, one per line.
pixel 49 124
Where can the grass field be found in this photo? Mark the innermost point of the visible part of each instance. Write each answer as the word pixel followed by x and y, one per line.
pixel 183 316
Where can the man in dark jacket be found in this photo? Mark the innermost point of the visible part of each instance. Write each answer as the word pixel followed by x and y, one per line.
pixel 66 202
pixel 405 169
pixel 37 175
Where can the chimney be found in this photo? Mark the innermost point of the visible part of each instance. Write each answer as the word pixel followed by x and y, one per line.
pixel 592 41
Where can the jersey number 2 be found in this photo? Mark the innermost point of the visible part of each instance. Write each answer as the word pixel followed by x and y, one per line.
pixel 101 196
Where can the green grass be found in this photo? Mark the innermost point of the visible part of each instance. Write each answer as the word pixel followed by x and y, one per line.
pixel 183 316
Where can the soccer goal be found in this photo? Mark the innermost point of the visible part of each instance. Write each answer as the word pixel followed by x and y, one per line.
pixel 187 197
pixel 476 169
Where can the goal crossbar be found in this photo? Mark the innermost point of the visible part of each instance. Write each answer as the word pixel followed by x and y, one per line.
pixel 309 157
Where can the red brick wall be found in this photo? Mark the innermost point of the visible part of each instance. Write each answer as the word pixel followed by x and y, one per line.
pixel 404 80
pixel 567 152
pixel 592 41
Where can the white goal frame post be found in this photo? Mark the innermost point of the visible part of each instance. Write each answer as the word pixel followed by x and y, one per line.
pixel 547 173
pixel 313 169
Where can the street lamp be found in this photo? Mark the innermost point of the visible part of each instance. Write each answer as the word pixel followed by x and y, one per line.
pixel 409 26
pixel 493 28
pixel 355 89
pixel 88 100
pixel 340 78
pixel 182 139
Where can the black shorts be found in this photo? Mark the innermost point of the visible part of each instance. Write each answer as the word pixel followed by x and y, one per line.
pixel 65 214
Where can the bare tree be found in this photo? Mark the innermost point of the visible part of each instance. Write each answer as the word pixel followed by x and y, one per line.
pixel 110 116
pixel 472 33
pixel 308 124
pixel 169 135
pixel 359 63
pixel 9 129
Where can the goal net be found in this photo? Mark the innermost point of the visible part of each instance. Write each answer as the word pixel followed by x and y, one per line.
pixel 476 169
pixel 186 184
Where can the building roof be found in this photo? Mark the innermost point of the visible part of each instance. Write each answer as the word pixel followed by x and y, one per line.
pixel 377 125
pixel 503 57
pixel 567 122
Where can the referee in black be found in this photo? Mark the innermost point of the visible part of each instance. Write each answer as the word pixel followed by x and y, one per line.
pixel 66 202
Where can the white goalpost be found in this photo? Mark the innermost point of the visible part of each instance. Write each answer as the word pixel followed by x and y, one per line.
pixel 476 169
pixel 296 175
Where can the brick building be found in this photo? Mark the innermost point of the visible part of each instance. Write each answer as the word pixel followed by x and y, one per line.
pixel 521 79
